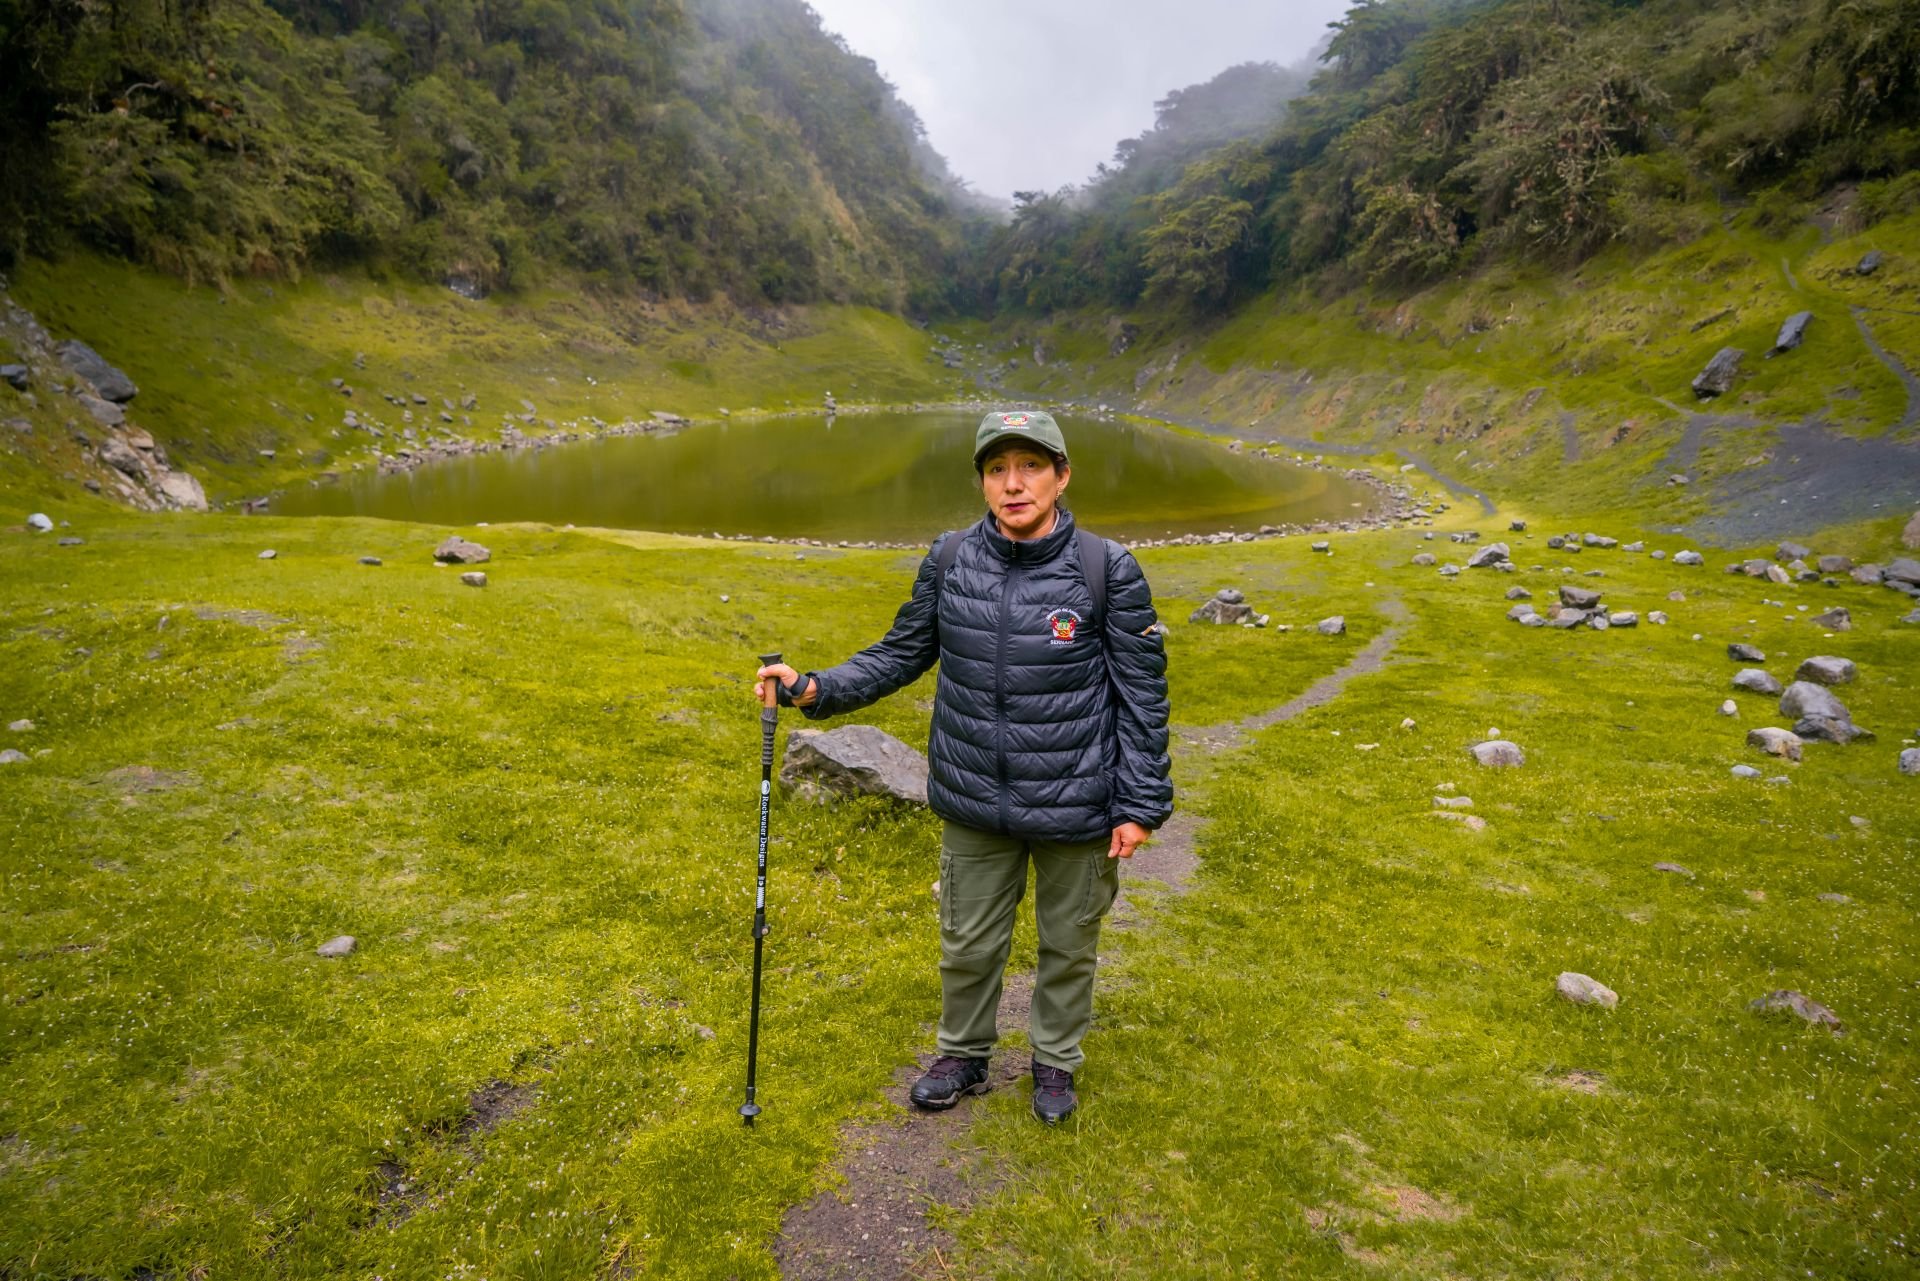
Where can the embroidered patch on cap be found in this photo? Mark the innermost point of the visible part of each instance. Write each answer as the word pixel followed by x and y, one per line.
pixel 1013 420
pixel 1063 624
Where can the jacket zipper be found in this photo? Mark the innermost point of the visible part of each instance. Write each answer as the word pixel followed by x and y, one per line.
pixel 1000 674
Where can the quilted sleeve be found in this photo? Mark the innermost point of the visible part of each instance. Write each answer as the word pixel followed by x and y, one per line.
pixel 1137 666
pixel 899 658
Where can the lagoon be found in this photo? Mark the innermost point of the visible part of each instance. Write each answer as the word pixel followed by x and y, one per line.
pixel 889 477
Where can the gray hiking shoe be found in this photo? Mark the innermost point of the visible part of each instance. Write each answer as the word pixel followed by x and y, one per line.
pixel 949 1080
pixel 1053 1096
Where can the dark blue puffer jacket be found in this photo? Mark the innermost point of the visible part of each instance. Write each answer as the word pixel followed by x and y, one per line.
pixel 1040 729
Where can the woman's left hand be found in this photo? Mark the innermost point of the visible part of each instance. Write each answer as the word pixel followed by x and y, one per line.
pixel 1127 838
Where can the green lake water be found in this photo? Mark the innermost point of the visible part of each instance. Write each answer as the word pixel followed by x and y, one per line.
pixel 885 477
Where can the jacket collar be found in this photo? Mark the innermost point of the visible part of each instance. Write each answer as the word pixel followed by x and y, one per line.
pixel 1034 551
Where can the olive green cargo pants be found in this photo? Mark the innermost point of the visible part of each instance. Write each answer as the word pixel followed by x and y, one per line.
pixel 982 877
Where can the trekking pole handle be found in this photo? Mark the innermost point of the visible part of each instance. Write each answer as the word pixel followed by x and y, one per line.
pixel 770 688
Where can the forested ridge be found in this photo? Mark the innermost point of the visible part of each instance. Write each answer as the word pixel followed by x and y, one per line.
pixel 1443 134
pixel 686 147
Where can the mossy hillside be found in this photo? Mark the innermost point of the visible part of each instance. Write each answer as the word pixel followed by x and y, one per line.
pixel 533 804
pixel 1568 388
pixel 225 375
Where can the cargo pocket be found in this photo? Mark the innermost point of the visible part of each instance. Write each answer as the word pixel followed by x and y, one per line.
pixel 1102 887
pixel 946 890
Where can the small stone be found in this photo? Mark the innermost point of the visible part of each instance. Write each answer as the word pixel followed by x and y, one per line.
pixel 1623 618
pixel 269 554
pixel 1689 558
pixel 1826 670
pixel 1775 742
pixel 456 550
pixel 340 946
pixel 1425 558
pixel 1658 617
pixel 40 523
pixel 1491 554
pixel 1759 682
pixel 703 1032
pixel 1729 708
pixel 1519 593
pixel 9 756
pixel 1833 897
pixel 474 578
pixel 371 560
pixel 1745 771
pixel 1745 653
pixel 1334 626
pixel 21 726
pixel 1322 546
pixel 1582 990
pixel 1676 868
pixel 1498 753
pixel 1910 761
pixel 1579 597
pixel 72 542
pixel 1799 1004
pixel 1407 723
pixel 1454 802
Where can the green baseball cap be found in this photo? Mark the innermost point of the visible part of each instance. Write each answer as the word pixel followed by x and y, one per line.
pixel 1033 425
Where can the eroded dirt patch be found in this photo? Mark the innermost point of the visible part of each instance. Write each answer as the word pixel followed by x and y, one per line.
pixel 397 1195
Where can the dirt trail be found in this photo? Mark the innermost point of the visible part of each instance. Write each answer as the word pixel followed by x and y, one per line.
pixel 895 1170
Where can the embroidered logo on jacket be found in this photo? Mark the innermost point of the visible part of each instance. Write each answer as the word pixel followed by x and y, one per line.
pixel 1064 624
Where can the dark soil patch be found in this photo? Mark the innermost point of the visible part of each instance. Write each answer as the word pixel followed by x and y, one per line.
pixel 145 778
pixel 1815 478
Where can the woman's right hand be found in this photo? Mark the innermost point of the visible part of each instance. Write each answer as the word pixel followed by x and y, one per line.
pixel 786 676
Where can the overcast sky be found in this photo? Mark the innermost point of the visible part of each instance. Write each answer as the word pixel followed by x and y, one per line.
pixel 1022 94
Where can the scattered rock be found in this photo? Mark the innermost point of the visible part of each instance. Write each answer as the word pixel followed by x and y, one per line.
pixel 1837 619
pixel 1831 729
pixel 1826 670
pixel 1775 742
pixel 1786 1001
pixel 1454 802
pixel 1227 606
pixel 1745 653
pixel 1598 540
pixel 853 760
pixel 11 757
pixel 1832 897
pixel 371 560
pixel 1791 551
pixel 1335 626
pixel 1717 378
pixel 40 523
pixel 1834 564
pixel 1869 264
pixel 474 578
pixel 104 412
pixel 1689 558
pixel 1657 617
pixel 1752 678
pixel 341 946
pixel 1491 554
pixel 1498 753
pixel 459 551
pixel 1909 537
pixel 1910 761
pixel 17 377
pixel 1729 708
pixel 269 554
pixel 72 542
pixel 86 362
pixel 1425 558
pixel 1676 868
pixel 1322 546
pixel 1904 570
pixel 1623 618
pixel 1579 597
pixel 20 726
pixel 1582 990
pixel 1519 593
pixel 1792 332
pixel 1745 771
pixel 1517 527
pixel 1804 698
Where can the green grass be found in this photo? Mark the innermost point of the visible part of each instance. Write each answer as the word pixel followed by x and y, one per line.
pixel 533 805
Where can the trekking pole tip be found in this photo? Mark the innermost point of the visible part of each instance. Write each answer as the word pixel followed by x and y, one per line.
pixel 748 1111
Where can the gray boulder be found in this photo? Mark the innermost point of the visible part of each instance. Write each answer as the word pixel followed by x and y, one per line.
pixel 1717 378
pixel 1425 558
pixel 1910 536
pixel 1775 742
pixel 1745 653
pixel 1905 570
pixel 1791 551
pixel 1499 753
pixel 18 377
pixel 88 364
pixel 1871 263
pixel 1688 558
pixel 1519 593
pixel 1804 698
pixel 1334 626
pixel 105 412
pixel 1869 574
pixel 1582 990
pixel 1825 669
pixel 1745 771
pixel 1834 564
pixel 1598 540
pixel 182 491
pixel 11 757
pixel 1623 618
pixel 1910 760
pixel 1491 554
pixel 1228 606
pixel 1521 612
pixel 1579 597
pixel 343 945
pixel 1792 332
pixel 474 578
pixel 853 760
pixel 1798 1004
pixel 1658 616
pixel 1752 678
pixel 1837 619
pixel 459 551
pixel 40 523
pixel 1831 729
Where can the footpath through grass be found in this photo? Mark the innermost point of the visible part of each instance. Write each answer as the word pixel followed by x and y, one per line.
pixel 533 805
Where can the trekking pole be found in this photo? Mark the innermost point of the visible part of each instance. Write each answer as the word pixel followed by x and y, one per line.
pixel 768 716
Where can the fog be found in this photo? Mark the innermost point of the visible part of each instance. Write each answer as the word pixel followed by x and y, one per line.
pixel 1026 94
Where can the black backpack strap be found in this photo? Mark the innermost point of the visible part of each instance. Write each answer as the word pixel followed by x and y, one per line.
pixel 949 552
pixel 1093 564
